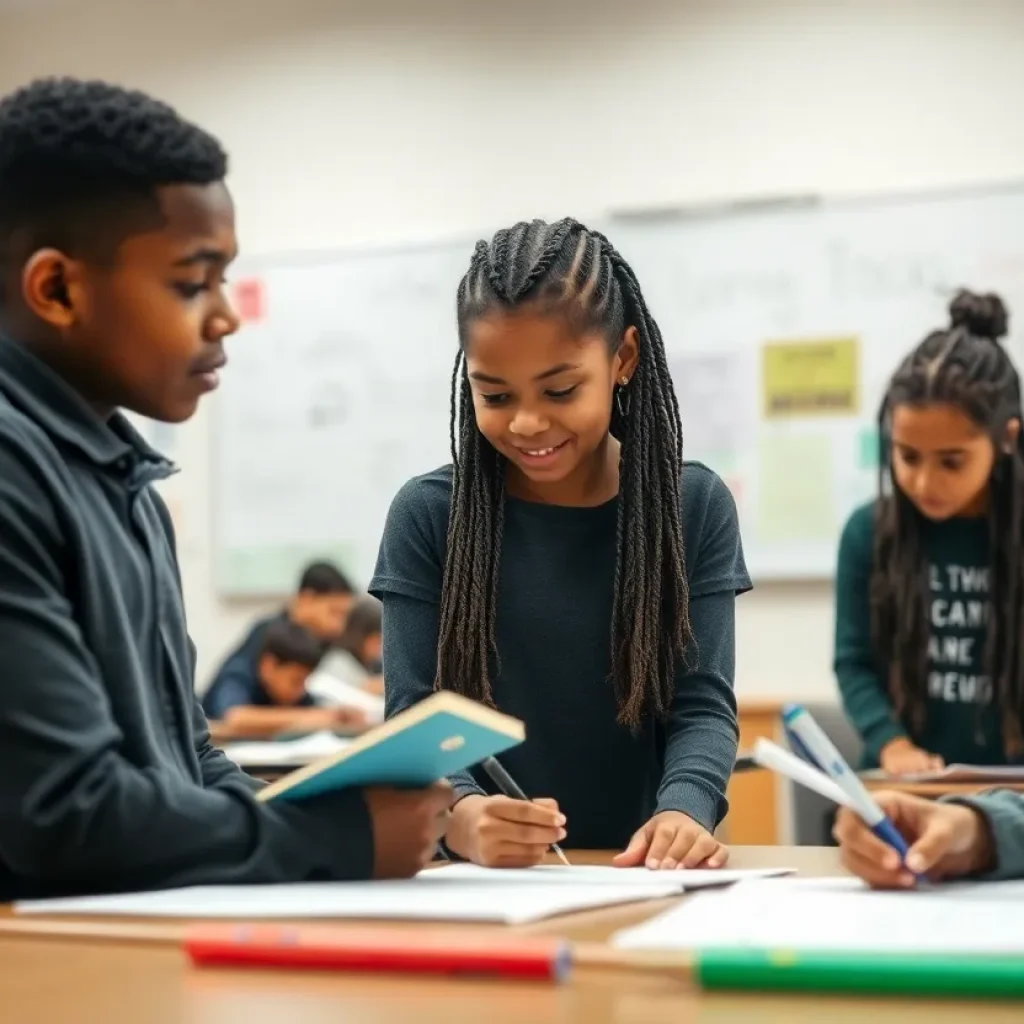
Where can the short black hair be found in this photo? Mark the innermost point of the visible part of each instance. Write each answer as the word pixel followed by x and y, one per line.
pixel 325 578
pixel 364 620
pixel 569 270
pixel 80 162
pixel 289 643
pixel 965 366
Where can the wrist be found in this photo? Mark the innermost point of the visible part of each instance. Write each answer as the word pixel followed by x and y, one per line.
pixel 897 744
pixel 462 812
pixel 981 856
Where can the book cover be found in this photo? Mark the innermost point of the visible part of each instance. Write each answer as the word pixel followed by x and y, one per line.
pixel 443 734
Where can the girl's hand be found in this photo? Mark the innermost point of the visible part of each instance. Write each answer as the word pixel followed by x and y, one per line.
pixel 673 840
pixel 901 757
pixel 946 841
pixel 499 832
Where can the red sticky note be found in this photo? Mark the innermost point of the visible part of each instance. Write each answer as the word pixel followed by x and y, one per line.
pixel 249 300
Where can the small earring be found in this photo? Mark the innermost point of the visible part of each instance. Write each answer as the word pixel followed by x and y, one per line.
pixel 622 398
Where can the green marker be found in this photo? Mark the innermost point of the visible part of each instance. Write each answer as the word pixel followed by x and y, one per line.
pixel 917 974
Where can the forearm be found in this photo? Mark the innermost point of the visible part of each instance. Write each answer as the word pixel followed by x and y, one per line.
pixel 702 733
pixel 1003 813
pixel 410 654
pixel 699 758
pixel 868 707
pixel 215 766
pixel 253 722
pixel 103 824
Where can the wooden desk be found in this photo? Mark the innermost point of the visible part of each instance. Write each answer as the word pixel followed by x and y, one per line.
pixel 754 814
pixel 53 979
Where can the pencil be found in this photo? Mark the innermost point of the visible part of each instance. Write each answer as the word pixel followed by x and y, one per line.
pixel 510 787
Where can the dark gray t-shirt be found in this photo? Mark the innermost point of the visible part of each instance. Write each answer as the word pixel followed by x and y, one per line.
pixel 553 634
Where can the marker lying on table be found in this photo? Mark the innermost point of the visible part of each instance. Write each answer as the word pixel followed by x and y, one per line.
pixel 810 741
pixel 536 958
pixel 510 787
pixel 376 949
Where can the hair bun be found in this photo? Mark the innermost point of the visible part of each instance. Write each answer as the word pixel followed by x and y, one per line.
pixel 984 316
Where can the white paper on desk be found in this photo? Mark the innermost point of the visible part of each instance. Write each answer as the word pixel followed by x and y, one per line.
pixel 954 773
pixel 330 691
pixel 841 915
pixel 297 752
pixel 409 899
pixel 586 874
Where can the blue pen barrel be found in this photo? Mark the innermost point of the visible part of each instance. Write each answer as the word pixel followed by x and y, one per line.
pixel 939 977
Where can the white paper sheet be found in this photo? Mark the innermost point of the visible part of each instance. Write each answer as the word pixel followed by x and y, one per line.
pixel 586 874
pixel 330 691
pixel 841 915
pixel 298 752
pixel 412 899
pixel 970 773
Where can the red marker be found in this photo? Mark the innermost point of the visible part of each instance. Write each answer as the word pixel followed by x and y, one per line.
pixel 399 950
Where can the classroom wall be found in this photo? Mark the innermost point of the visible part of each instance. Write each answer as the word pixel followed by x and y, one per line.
pixel 396 120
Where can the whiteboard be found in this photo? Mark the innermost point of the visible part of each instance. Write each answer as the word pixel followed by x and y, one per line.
pixel 335 395
pixel 338 390
pixel 729 286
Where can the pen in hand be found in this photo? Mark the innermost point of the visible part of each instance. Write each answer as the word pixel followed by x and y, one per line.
pixel 509 787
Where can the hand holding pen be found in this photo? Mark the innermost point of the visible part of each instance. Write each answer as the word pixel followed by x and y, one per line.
pixel 509 831
pixel 947 840
pixel 809 740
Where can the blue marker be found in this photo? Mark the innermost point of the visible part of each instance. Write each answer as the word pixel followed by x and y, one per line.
pixel 795 742
pixel 811 742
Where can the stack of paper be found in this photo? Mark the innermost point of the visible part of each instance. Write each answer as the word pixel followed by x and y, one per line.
pixel 456 893
pixel 841 915
pixel 586 874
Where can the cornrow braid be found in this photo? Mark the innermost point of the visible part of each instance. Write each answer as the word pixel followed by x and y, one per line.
pixel 966 367
pixel 567 270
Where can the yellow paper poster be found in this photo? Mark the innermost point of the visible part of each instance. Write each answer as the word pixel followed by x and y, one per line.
pixel 815 377
pixel 795 493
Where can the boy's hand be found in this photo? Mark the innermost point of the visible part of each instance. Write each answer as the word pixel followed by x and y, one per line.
pixel 672 839
pixel 348 718
pixel 407 825
pixel 901 757
pixel 946 841
pixel 499 832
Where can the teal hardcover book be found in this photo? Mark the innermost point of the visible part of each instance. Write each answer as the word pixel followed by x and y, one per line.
pixel 443 734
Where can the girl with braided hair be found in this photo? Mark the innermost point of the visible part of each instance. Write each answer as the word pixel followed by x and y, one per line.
pixel 930 578
pixel 569 568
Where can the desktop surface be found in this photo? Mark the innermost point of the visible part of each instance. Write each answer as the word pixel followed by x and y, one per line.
pixel 56 971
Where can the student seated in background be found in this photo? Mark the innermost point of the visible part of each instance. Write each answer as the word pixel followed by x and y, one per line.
pixel 350 672
pixel 276 700
pixel 954 837
pixel 356 657
pixel 570 567
pixel 930 579
pixel 115 232
pixel 320 606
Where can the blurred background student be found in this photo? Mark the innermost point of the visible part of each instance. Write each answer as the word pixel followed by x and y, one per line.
pixel 320 607
pixel 350 672
pixel 275 700
pixel 930 576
